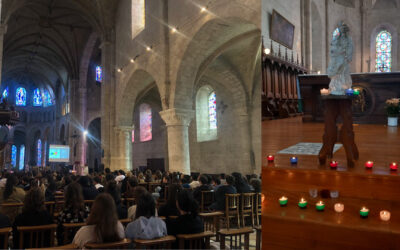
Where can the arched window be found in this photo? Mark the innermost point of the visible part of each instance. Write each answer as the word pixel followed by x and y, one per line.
pixel 47 100
pixel 44 154
pixel 37 98
pixel 383 46
pixel 39 152
pixel 99 74
pixel 145 122
pixel 5 93
pixel 21 157
pixel 206 114
pixel 20 97
pixel 138 14
pixel 14 155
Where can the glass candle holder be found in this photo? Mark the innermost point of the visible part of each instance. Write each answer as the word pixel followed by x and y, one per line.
pixel 320 206
pixel 349 92
pixel 293 160
pixel 283 201
pixel 333 164
pixel 393 166
pixel 302 203
pixel 339 207
pixel 384 215
pixel 369 164
pixel 364 212
pixel 270 158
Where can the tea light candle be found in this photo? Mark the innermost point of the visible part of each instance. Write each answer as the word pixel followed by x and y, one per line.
pixel 283 201
pixel 393 166
pixel 270 158
pixel 333 164
pixel 320 206
pixel 364 212
pixel 302 203
pixel 385 215
pixel 339 207
pixel 356 92
pixel 349 92
pixel 369 164
pixel 293 160
pixel 324 91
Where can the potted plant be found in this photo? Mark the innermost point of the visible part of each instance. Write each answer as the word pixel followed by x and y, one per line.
pixel 392 110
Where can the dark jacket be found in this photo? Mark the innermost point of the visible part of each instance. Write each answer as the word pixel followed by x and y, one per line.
pixel 167 210
pixel 219 203
pixel 184 224
pixel 197 192
pixel 89 193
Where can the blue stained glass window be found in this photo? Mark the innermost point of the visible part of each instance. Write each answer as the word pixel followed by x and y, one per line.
pixel 5 93
pixel 212 110
pixel 39 153
pixel 14 155
pixel 45 153
pixel 336 33
pixel 383 62
pixel 37 98
pixel 99 74
pixel 21 157
pixel 20 97
pixel 47 100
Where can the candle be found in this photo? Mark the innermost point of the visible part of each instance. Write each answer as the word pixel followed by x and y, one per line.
pixel 302 203
pixel 293 160
pixel 333 164
pixel 349 92
pixel 356 92
pixel 320 206
pixel 369 164
pixel 339 207
pixel 270 158
pixel 364 212
pixel 324 91
pixel 385 215
pixel 283 201
pixel 393 166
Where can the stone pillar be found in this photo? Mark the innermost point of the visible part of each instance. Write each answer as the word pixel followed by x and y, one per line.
pixel 123 157
pixel 81 118
pixel 3 30
pixel 177 122
pixel 247 161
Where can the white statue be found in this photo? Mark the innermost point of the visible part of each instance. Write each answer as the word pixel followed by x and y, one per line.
pixel 341 54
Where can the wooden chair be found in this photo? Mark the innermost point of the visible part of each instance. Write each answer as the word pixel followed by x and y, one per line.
pixel 152 186
pixel 195 241
pixel 160 243
pixel 50 206
pixel 258 208
pixel 130 202
pixel 232 208
pixel 70 230
pixel 68 246
pixel 4 235
pixel 36 236
pixel 212 222
pixel 247 207
pixel 235 236
pixel 125 221
pixel 122 244
pixel 207 198
pixel 258 237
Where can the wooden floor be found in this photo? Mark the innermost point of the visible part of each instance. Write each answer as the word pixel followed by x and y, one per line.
pixel 377 143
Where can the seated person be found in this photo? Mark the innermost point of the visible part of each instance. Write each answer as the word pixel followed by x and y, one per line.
pixel 11 194
pixel 170 209
pixel 102 224
pixel 139 190
pixel 113 190
pixel 228 188
pixel 88 189
pixel 203 187
pixel 146 226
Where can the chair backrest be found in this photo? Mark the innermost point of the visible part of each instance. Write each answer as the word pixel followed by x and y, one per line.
pixel 195 241
pixel 159 243
pixel 130 202
pixel 125 221
pixel 124 243
pixel 36 236
pixel 152 186
pixel 50 206
pixel 4 235
pixel 232 202
pixel 70 230
pixel 88 203
pixel 258 201
pixel 211 220
pixel 207 198
pixel 247 202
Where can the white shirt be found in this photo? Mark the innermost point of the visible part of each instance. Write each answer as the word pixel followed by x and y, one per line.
pixel 86 234
pixel 119 178
pixel 98 185
pixel 194 184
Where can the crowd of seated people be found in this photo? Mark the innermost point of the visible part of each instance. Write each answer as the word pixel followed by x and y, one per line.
pixel 110 190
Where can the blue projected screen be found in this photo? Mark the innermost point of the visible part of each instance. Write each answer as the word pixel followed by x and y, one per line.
pixel 59 153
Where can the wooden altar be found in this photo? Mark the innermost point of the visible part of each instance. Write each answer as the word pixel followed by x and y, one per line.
pixel 368 107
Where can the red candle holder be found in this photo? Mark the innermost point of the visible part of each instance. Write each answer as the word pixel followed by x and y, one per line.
pixel 369 164
pixel 270 158
pixel 333 164
pixel 393 166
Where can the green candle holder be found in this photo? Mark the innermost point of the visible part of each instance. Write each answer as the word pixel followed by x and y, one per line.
pixel 320 207
pixel 302 205
pixel 356 92
pixel 364 214
pixel 283 202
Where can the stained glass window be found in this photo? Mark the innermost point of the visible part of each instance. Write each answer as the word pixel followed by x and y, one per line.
pixel 37 98
pixel 145 122
pixel 20 97
pixel 99 74
pixel 383 52
pixel 14 155
pixel 21 157
pixel 5 93
pixel 336 33
pixel 133 135
pixel 212 110
pixel 44 154
pixel 39 152
pixel 47 100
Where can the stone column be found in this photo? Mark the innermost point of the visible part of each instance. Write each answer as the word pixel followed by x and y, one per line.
pixel 123 157
pixel 81 118
pixel 247 161
pixel 3 30
pixel 177 122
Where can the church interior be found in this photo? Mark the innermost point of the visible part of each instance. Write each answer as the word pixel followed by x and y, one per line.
pixel 130 123
pixel 329 161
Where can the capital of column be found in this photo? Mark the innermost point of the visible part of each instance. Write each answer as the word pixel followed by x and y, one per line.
pixel 177 117
pixel 123 129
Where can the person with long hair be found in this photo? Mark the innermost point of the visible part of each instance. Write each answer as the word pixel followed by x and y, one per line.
pixel 102 225
pixel 138 191
pixel 114 191
pixel 11 194
pixel 146 225
pixel 170 209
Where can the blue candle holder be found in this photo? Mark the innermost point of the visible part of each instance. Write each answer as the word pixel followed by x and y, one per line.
pixel 349 92
pixel 293 160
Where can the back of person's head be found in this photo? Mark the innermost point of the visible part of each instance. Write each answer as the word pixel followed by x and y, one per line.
pixel 139 190
pixel 216 180
pixel 203 179
pixel 74 197
pixel 113 190
pixel 84 181
pixel 133 181
pixel 104 216
pixel 121 172
pixel 109 177
pixel 256 184
pixel 222 176
pixel 97 179
pixel 185 179
pixel 187 203
pixel 146 206
pixel 107 170
pixel 12 181
pixel 239 180
pixel 34 201
pixel 230 180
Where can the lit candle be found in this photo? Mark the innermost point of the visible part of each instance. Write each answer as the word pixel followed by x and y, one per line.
pixel 393 166
pixel 324 91
pixel 283 201
pixel 369 164
pixel 349 92
pixel 302 203
pixel 356 92
pixel 320 206
pixel 270 158
pixel 385 215
pixel 339 207
pixel 364 212
pixel 293 160
pixel 333 164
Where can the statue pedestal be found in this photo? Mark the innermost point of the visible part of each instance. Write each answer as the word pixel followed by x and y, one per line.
pixel 338 106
